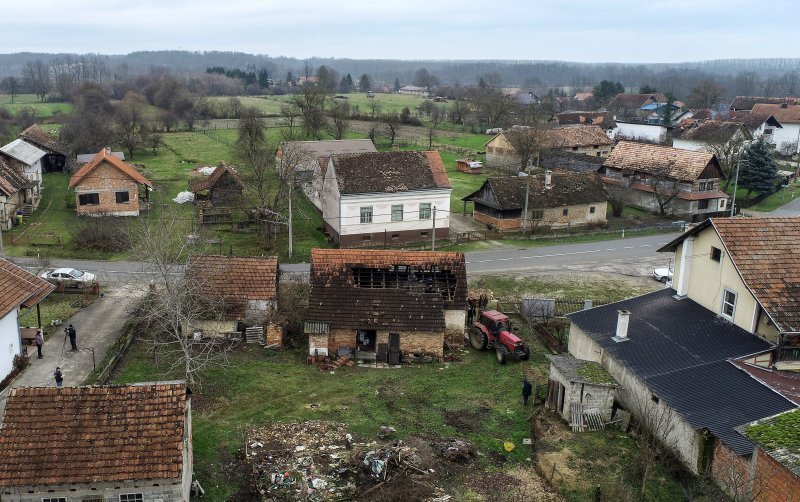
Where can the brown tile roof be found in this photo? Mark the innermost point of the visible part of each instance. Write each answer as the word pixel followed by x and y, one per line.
pixel 93 434
pixel 36 135
pixel 785 114
pixel 577 135
pixel 786 383
pixel 764 251
pixel 326 148
pixel 674 163
pixel 236 280
pixel 18 287
pixel 753 121
pixel 583 96
pixel 215 176
pixel 389 172
pixel 105 155
pixel 601 119
pixel 567 189
pixel 11 181
pixel 635 101
pixel 570 161
pixel 702 114
pixel 748 102
pixel 711 130
pixel 411 304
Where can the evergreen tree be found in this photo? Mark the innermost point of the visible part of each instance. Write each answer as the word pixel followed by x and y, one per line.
pixel 289 78
pixel 396 84
pixel 666 113
pixel 263 78
pixel 605 90
pixel 758 170
pixel 364 83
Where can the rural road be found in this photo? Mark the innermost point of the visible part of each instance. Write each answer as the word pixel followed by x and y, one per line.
pixel 631 256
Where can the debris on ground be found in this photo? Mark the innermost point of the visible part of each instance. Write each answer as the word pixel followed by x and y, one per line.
pixel 390 458
pixel 386 431
pixel 455 450
pixel 184 197
pixel 338 363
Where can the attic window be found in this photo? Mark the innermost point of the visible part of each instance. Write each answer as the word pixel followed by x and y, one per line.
pixel 421 280
pixel 716 254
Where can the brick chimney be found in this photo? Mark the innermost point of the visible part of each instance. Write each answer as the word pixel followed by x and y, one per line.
pixel 623 318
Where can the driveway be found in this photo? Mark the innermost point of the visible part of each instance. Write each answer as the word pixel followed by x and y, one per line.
pixel 97 327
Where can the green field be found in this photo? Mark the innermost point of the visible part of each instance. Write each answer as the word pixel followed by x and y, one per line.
pixel 43 110
pixel 389 103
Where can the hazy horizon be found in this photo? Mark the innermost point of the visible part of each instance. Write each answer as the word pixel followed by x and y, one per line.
pixel 579 31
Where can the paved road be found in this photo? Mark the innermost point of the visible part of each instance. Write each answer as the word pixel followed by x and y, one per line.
pixel 631 256
pixel 790 209
pixel 97 327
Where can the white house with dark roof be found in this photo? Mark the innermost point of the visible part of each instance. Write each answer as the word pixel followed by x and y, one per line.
pixel 386 197
pixel 27 160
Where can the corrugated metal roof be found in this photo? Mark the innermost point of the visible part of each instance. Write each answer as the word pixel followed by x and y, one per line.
pixel 23 151
pixel 681 350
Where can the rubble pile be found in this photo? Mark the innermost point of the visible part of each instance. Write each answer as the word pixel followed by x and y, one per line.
pixel 455 450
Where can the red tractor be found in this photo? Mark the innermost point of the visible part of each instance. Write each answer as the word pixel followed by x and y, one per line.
pixel 493 331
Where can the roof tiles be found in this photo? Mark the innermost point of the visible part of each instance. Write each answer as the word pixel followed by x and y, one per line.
pixel 18 287
pixel 215 176
pixel 388 172
pixel 674 163
pixel 99 158
pixel 236 280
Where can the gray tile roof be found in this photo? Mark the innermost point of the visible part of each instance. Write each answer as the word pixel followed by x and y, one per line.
pixel 681 350
pixel 23 151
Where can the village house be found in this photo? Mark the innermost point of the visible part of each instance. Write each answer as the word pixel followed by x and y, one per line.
pixel 380 305
pixel 584 139
pixel 107 186
pixel 15 194
pixel 746 103
pixel 786 137
pixel 26 159
pixel 414 90
pixel 241 291
pixel 223 187
pixel 18 289
pixel 554 200
pixel 309 161
pixel 57 158
pixel 126 443
pixel 641 131
pixel 386 198
pixel 629 106
pixel 702 136
pixel 759 126
pixel 83 158
pixel 602 119
pixel 684 182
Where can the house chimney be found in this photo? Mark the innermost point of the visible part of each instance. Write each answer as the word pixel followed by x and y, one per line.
pixel 622 326
pixel 548 179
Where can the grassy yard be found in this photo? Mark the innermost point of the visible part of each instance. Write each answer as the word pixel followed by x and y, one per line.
pixel 781 197
pixel 389 103
pixel 44 110
pixel 57 306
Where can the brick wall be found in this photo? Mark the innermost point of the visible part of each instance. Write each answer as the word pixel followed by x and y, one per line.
pixel 431 343
pixel 106 180
pixel 732 472
pixel 774 482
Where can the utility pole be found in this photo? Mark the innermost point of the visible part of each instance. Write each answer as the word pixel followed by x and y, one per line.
pixel 290 220
pixel 433 237
pixel 735 184
pixel 525 211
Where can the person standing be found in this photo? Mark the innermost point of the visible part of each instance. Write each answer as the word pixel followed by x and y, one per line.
pixel 72 338
pixel 59 377
pixel 39 340
pixel 527 390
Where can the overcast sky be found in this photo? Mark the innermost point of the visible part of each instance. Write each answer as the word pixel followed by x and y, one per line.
pixel 574 30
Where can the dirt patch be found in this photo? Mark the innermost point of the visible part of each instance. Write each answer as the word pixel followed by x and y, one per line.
pixel 466 420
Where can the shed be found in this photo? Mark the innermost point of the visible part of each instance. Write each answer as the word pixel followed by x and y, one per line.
pixel 470 166
pixel 577 382
pixel 222 188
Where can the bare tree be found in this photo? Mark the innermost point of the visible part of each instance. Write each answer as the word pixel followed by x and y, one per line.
pixel 727 149
pixel 36 76
pixel 310 101
pixel 664 191
pixel 392 123
pixel 130 123
pixel 528 143
pixel 177 301
pixel 375 107
pixel 436 117
pixel 340 118
pixel 291 116
pixel 11 86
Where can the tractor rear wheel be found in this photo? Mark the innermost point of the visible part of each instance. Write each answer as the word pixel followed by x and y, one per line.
pixel 478 340
pixel 525 352
pixel 502 354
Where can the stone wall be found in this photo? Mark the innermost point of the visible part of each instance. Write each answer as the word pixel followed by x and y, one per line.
pixel 600 397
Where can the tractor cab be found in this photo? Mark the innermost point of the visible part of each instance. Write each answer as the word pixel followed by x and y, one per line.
pixel 495 322
pixel 493 331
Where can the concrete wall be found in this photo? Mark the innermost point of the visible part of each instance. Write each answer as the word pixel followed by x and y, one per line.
pixel 8 210
pixel 641 132
pixel 787 134
pixel 9 342
pixel 350 218
pixel 106 180
pixel 599 397
pixel 165 490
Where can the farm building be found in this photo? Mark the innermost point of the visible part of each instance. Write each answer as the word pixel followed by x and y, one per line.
pixel 116 443
pixel 469 166
pixel 378 305
pixel 223 187
pixel 554 200
pixel 58 156
pixel 107 186
pixel 576 387
pixel 26 159
pixel 15 194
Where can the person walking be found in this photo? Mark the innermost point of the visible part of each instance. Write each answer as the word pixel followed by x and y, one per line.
pixel 59 377
pixel 72 338
pixel 39 340
pixel 527 390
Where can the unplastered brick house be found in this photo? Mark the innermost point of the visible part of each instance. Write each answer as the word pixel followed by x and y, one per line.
pixel 380 304
pixel 127 443
pixel 108 186
pixel 386 198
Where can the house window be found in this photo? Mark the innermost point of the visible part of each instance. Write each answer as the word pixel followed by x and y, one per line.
pixel 92 498
pixel 425 211
pixel 728 304
pixel 767 131
pixel 565 211
pixel 722 203
pixel 598 154
pixel 716 254
pixel 131 497
pixel 395 237
pixel 423 234
pixel 366 238
pixel 89 199
pixel 397 212
pixel 122 197
pixel 537 214
pixel 591 210
pixel 366 214
pixel 701 187
pixel 55 499
pixel 703 204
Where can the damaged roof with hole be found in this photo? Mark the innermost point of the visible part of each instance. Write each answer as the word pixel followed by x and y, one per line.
pixel 681 351
pixel 598 118
pixel 11 181
pixel 39 137
pixel 235 280
pixel 386 289
pixel 93 434
pixel 389 172
pixel 567 189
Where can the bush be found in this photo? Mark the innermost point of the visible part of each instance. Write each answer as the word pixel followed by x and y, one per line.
pixel 101 234
pixel 19 364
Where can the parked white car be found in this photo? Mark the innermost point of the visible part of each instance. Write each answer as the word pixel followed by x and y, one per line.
pixel 69 277
pixel 663 274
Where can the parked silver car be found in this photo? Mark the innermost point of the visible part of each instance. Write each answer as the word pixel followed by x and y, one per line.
pixel 68 277
pixel 663 274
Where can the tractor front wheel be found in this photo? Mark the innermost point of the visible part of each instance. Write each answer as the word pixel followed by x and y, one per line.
pixel 478 340
pixel 502 354
pixel 525 352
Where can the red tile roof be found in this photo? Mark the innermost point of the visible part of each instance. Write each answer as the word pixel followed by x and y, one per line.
pixel 783 113
pixel 18 287
pixel 93 434
pixel 236 280
pixel 748 102
pixel 576 136
pixel 105 155
pixel 215 176
pixel 674 163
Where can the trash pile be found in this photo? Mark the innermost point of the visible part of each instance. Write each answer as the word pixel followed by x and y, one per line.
pixel 455 450
pixel 206 170
pixel 395 458
pixel 342 361
pixel 184 197
pixel 301 461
